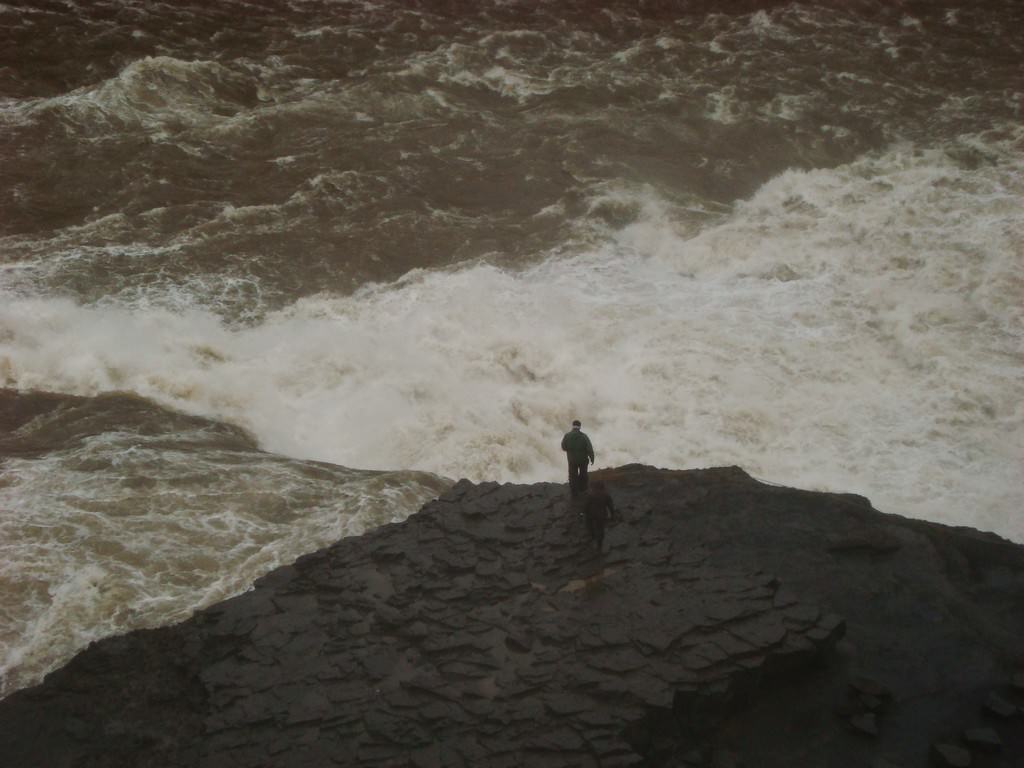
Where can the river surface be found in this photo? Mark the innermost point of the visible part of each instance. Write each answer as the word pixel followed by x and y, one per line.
pixel 272 273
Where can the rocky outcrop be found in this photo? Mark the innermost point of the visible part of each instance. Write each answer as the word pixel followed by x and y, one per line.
pixel 486 630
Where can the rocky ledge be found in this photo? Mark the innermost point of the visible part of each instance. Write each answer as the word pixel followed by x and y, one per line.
pixel 727 623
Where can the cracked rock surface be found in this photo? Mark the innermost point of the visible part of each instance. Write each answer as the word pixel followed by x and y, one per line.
pixel 487 630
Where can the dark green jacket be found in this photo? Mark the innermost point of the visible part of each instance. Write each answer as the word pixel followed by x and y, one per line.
pixel 577 447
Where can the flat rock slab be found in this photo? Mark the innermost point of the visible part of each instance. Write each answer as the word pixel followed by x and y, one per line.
pixel 487 630
pixel 866 723
pixel 1018 681
pixel 950 756
pixel 984 739
pixel 998 706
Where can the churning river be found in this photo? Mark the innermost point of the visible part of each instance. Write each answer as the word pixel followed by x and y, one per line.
pixel 272 273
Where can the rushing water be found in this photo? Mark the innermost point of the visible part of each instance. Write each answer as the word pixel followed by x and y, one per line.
pixel 271 272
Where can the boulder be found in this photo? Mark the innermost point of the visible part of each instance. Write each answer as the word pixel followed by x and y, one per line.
pixel 720 627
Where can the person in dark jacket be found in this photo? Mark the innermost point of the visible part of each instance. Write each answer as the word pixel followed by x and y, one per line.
pixel 579 452
pixel 598 509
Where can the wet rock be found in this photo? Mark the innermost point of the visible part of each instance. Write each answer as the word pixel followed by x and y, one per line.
pixel 984 739
pixel 848 709
pixel 998 706
pixel 727 759
pixel 76 727
pixel 694 757
pixel 1017 681
pixel 950 756
pixel 484 630
pixel 870 542
pixel 870 688
pixel 872 703
pixel 866 723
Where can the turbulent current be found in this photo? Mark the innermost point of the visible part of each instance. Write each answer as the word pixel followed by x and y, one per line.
pixel 275 272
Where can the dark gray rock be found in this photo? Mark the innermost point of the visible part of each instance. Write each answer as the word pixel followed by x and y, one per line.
pixel 727 759
pixel 866 723
pixel 950 756
pixel 485 630
pixel 870 703
pixel 876 542
pixel 870 688
pixel 998 706
pixel 984 739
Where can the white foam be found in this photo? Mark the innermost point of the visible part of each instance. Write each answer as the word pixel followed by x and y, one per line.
pixel 157 92
pixel 762 25
pixel 189 103
pixel 786 106
pixel 723 106
pixel 128 530
pixel 854 329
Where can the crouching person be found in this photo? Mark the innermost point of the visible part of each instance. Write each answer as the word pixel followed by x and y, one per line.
pixel 598 509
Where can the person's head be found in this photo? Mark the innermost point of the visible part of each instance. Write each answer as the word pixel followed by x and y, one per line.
pixel 576 424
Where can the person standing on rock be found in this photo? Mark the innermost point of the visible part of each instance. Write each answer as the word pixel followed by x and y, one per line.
pixel 598 509
pixel 579 452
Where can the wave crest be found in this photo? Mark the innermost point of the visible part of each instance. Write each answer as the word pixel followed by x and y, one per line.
pixel 156 94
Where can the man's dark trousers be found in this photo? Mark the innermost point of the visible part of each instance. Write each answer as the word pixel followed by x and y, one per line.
pixel 578 477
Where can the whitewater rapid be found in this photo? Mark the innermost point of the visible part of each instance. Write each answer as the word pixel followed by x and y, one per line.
pixel 856 329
